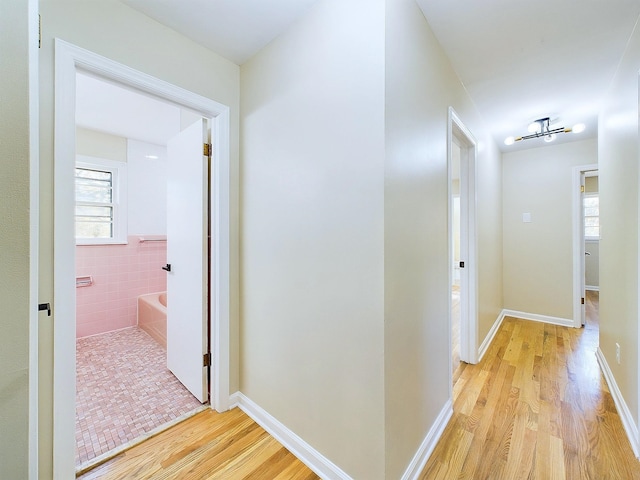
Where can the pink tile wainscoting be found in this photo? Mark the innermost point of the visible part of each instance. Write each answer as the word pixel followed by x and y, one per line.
pixel 120 274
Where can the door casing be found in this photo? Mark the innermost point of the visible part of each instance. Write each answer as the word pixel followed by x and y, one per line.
pixel 459 134
pixel 68 60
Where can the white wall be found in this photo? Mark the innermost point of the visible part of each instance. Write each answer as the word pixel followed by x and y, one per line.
pixel 147 182
pixel 538 256
pixel 100 145
pixel 312 224
pixel 14 239
pixel 420 86
pixel 111 29
pixel 618 183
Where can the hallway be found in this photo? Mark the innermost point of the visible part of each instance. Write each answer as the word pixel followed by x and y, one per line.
pixel 537 406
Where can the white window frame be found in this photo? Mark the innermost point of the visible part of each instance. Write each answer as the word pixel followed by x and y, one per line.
pixel 118 172
pixel 590 195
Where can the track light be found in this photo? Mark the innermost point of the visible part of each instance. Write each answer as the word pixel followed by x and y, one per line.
pixel 540 128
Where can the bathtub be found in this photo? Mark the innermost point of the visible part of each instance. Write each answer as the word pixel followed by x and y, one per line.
pixel 152 316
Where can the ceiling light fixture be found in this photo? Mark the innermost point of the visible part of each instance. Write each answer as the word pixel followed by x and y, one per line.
pixel 540 128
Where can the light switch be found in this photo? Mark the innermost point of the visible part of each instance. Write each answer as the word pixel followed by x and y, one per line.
pixel 526 217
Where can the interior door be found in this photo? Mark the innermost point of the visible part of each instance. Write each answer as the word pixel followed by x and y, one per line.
pixel 187 257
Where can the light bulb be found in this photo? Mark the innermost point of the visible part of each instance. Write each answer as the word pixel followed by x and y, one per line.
pixel 550 138
pixel 578 127
pixel 535 127
pixel 509 141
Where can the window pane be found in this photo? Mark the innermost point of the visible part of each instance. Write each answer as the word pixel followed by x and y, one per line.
pixel 89 193
pixel 592 211
pixel 93 174
pixel 104 212
pixel 89 229
pixel 591 221
pixel 591 201
pixel 592 231
pixel 94 203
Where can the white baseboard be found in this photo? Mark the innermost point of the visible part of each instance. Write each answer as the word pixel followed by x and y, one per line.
pixel 592 288
pixel 623 410
pixel 301 449
pixel 486 343
pixel 563 322
pixel 419 460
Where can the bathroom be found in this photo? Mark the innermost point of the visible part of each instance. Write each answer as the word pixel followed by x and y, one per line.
pixel 124 390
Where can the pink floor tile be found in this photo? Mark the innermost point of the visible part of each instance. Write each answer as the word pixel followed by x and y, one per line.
pixel 124 390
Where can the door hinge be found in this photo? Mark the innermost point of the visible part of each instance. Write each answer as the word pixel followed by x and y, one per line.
pixel 582 301
pixel 206 359
pixel 39 31
pixel 207 150
pixel 582 188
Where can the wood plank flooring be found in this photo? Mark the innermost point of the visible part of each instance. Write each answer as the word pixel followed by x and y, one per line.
pixel 536 407
pixel 207 446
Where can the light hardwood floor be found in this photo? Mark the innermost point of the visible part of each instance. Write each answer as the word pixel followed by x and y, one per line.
pixel 207 446
pixel 536 407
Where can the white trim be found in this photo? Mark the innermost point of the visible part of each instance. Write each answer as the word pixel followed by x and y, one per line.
pixel 34 232
pixel 68 60
pixel 563 322
pixel 592 288
pixel 486 343
pixel 429 443
pixel 317 462
pixel 628 423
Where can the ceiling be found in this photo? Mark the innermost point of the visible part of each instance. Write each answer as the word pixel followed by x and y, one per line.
pixel 518 60
pixel 521 60
pixel 113 109
pixel 236 29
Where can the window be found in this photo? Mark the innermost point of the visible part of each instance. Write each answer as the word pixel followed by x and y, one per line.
pixel 591 206
pixel 100 201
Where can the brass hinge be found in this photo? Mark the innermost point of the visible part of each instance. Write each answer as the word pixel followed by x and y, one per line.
pixel 206 359
pixel 582 301
pixel 582 188
pixel 207 150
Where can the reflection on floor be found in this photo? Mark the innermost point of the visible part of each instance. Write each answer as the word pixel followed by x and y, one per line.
pixel 123 391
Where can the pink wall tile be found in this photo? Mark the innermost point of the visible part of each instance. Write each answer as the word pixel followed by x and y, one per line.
pixel 120 274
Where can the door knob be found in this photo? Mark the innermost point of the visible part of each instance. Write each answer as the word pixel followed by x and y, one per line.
pixel 167 267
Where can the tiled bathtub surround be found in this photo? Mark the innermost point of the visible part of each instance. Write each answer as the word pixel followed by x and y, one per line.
pixel 120 273
pixel 123 391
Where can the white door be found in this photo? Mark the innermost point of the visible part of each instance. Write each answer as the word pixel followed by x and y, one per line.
pixel 187 258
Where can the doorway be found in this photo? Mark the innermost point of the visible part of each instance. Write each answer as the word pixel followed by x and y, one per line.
pixel 462 244
pixel 126 229
pixel 69 61
pixel 586 242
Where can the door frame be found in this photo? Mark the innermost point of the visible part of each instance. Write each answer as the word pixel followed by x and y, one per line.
pixel 70 59
pixel 578 174
pixel 457 132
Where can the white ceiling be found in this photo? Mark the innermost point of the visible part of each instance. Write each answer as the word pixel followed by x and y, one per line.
pixel 113 109
pixel 519 60
pixel 522 60
pixel 236 29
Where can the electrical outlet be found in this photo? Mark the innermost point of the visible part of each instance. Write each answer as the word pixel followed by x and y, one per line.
pixel 618 353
